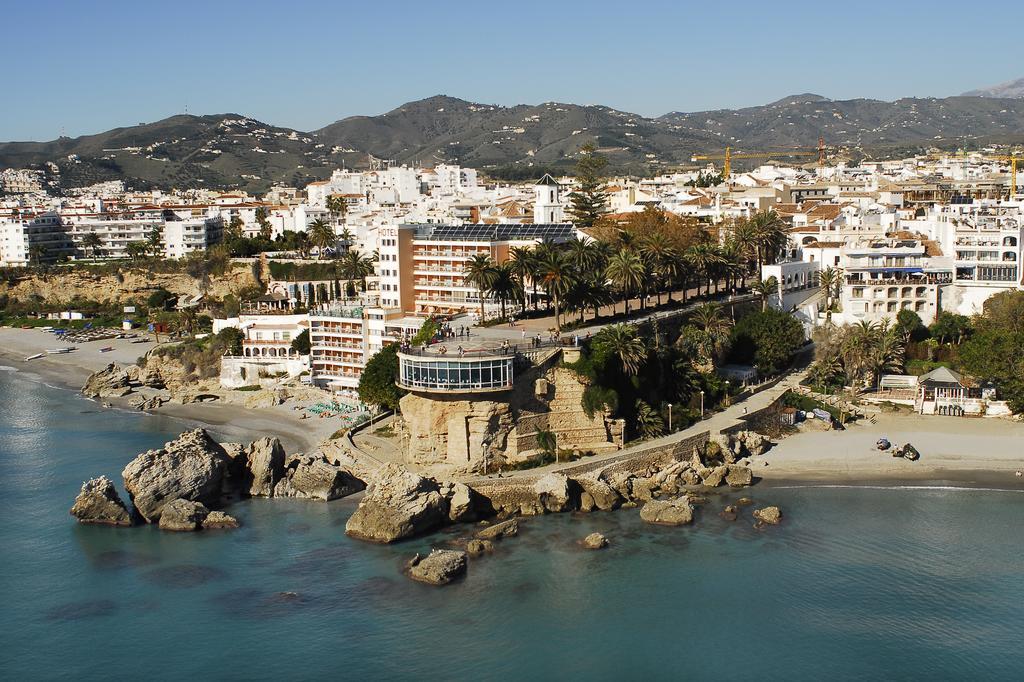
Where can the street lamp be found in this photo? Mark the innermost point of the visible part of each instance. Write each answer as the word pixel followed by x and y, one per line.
pixel 702 404
pixel 727 399
pixel 670 417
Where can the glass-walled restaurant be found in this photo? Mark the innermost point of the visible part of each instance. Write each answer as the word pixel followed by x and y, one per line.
pixel 485 374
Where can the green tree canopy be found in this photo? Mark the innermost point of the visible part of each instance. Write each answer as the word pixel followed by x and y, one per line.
pixel 300 344
pixel 767 339
pixel 590 200
pixel 377 382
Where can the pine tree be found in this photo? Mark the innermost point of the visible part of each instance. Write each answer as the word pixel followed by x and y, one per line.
pixel 590 200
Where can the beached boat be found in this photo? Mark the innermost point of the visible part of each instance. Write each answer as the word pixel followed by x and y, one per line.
pixel 59 351
pixel 107 349
pixel 34 357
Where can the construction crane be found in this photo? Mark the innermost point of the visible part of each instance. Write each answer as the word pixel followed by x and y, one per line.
pixel 728 156
pixel 1012 158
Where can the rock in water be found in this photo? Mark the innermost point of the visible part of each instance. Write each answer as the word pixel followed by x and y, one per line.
pixel 110 382
pixel 553 492
pixel 668 513
pixel 264 460
pixel 505 529
pixel 398 504
pixel 182 515
pixel 595 541
pixel 98 502
pixel 478 547
pixel 715 476
pixel 769 515
pixel 312 477
pixel 192 468
pixel 440 567
pixel 217 520
pixel 739 475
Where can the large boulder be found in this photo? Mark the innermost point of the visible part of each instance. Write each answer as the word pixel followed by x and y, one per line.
pixel 264 462
pixel 461 500
pixel 440 567
pixel 739 475
pixel 110 382
pixel 183 515
pixel 398 504
pixel 312 477
pixel 98 502
pixel 191 467
pixel 603 495
pixel 753 444
pixel 714 477
pixel 668 513
pixel 554 492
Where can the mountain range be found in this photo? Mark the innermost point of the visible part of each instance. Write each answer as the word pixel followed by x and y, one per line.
pixel 516 142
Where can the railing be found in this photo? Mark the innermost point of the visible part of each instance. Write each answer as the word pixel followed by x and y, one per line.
pixel 452 345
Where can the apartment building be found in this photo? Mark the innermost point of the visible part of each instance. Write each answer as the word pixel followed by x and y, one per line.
pixel 267 352
pixel 884 276
pixel 422 267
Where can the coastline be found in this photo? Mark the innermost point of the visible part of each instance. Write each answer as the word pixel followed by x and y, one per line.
pixel 229 422
pixel 955 452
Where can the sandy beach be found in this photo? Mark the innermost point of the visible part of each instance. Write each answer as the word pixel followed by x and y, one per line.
pixel 228 422
pixel 954 451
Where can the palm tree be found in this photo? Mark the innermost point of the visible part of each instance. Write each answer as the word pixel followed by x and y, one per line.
pixel 770 237
pixel 480 273
pixel 824 370
pixel 766 288
pixel 857 348
pixel 649 423
pixel 664 260
pixel 91 241
pixel 744 236
pixel 136 250
pixel 621 341
pixel 704 258
pixel 355 266
pixel 714 329
pixel 337 206
pixel 887 354
pixel 556 276
pixel 829 280
pixel 627 271
pixel 521 261
pixel 154 240
pixel 321 235
pixel 36 254
pixel 346 236
pixel 504 286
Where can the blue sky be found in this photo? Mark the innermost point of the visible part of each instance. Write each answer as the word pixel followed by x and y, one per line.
pixel 84 67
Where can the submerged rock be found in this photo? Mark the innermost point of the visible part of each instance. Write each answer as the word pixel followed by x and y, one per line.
pixel 183 515
pixel 313 477
pixel 398 504
pixel 440 567
pixel 98 502
pixel 505 529
pixel 668 513
pixel 478 547
pixel 730 513
pixel 191 467
pixel 595 541
pixel 216 520
pixel 769 515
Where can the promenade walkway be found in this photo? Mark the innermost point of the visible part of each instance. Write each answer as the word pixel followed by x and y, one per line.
pixel 714 424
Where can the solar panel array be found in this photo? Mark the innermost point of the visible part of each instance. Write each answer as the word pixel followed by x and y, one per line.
pixel 557 232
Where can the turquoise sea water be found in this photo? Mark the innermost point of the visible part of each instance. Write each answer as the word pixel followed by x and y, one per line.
pixel 857 584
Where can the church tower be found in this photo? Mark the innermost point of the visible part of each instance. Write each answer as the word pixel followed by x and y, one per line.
pixel 547 208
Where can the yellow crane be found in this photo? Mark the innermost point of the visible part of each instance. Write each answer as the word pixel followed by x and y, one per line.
pixel 728 156
pixel 1013 159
